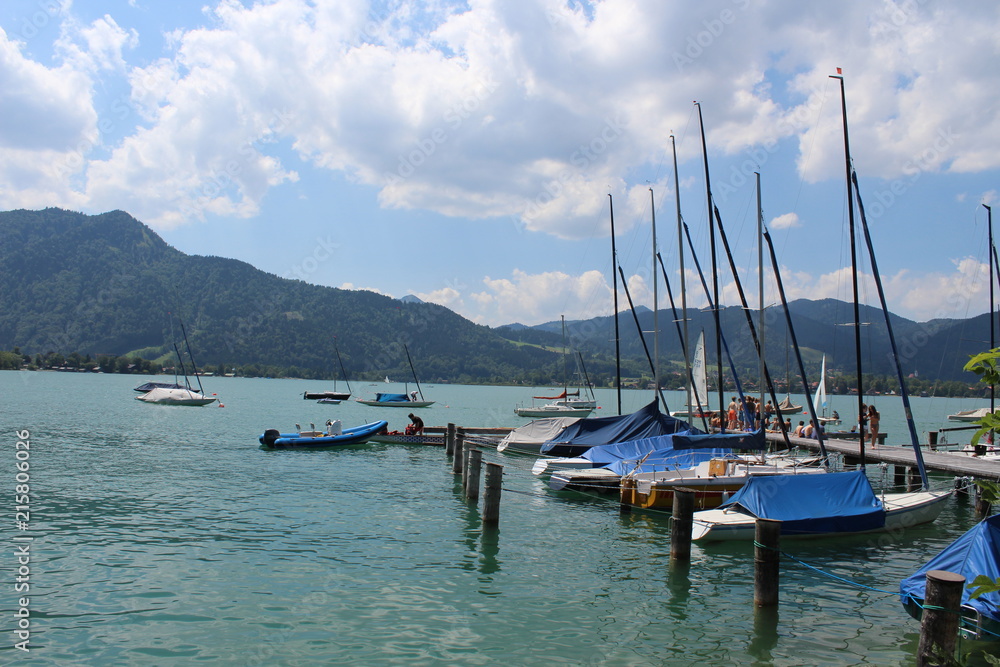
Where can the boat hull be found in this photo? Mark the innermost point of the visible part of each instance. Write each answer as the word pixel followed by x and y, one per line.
pixel 176 397
pixel 397 404
pixel 552 411
pixel 903 510
pixel 319 395
pixel 319 440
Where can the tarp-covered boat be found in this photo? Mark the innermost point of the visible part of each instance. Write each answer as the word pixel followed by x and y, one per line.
pixel 332 437
pixel 975 553
pixel 831 503
pixel 586 433
pixel 174 396
pixel 387 400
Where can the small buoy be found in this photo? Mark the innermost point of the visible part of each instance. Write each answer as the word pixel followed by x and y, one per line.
pixel 221 405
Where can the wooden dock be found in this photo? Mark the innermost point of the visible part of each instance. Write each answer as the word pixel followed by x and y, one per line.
pixel 948 462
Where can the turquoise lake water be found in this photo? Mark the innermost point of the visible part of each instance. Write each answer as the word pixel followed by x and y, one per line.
pixel 165 536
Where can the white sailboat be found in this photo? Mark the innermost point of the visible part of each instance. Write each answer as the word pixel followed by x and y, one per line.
pixel 820 401
pixel 697 393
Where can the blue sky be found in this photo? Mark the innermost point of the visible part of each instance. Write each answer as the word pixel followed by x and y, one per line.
pixel 464 151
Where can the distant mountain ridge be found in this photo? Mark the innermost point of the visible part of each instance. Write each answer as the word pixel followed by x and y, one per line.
pixel 109 284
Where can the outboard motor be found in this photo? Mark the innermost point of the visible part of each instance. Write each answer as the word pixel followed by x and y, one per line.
pixel 270 435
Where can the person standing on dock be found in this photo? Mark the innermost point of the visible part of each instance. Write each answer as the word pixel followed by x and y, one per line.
pixel 873 417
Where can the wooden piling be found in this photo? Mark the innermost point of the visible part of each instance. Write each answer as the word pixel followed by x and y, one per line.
pixel 915 482
pixel 899 476
pixel 459 459
pixel 767 539
pixel 472 473
pixel 940 618
pixel 449 440
pixel 680 526
pixel 491 494
pixel 982 505
pixel 932 439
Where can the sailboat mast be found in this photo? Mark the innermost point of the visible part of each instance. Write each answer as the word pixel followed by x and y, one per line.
pixel 760 294
pixel 680 259
pixel 413 372
pixel 343 370
pixel 989 251
pixel 715 273
pixel 565 371
pixel 614 313
pixel 854 268
pixel 656 309
pixel 194 369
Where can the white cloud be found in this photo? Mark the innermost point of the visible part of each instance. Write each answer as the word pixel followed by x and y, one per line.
pixel 785 221
pixel 542 297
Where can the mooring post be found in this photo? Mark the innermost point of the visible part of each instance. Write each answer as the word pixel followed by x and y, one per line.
pixel 940 618
pixel 915 482
pixel 982 505
pixel 472 473
pixel 899 476
pixel 456 466
pixel 766 559
pixel 680 525
pixel 491 496
pixel 449 440
pixel 932 439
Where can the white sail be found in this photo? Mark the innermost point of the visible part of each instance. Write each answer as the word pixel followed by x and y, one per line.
pixel 819 400
pixel 698 394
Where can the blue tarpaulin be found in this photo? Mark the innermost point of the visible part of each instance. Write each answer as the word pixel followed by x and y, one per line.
pixel 832 502
pixel 391 398
pixel 649 454
pixel 586 433
pixel 974 553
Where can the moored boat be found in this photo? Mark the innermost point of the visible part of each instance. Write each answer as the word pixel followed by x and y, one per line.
pixel 387 400
pixel 333 436
pixel 975 553
pixel 175 396
pixel 835 503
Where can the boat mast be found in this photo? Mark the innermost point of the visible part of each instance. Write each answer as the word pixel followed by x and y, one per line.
pixel 989 251
pixel 656 309
pixel 194 369
pixel 614 314
pixel 760 298
pixel 680 259
pixel 343 370
pixel 415 380
pixel 715 274
pixel 565 371
pixel 854 268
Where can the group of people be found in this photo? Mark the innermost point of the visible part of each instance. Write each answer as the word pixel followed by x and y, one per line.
pixel 869 418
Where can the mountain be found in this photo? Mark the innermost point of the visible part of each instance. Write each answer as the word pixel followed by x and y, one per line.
pixel 107 284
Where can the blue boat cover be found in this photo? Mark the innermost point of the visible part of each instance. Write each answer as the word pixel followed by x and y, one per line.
pixel 391 398
pixel 974 553
pixel 644 423
pixel 733 440
pixel 833 502
pixel 649 455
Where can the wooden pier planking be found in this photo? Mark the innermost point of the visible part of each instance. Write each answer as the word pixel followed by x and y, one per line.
pixel 955 464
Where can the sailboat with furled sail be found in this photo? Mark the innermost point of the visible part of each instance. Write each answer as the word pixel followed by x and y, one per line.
pixel 820 403
pixel 697 393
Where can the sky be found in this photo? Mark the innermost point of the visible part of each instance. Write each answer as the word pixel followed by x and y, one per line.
pixel 470 153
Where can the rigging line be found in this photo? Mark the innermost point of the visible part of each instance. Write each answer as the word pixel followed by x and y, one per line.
pixel 642 338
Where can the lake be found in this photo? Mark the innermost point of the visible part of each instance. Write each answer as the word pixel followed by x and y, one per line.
pixel 166 536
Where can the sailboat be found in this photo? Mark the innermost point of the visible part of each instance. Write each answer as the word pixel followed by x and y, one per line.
pixel 332 396
pixel 404 400
pixel 819 400
pixel 786 407
pixel 182 395
pixel 566 404
pixel 697 393
pixel 838 503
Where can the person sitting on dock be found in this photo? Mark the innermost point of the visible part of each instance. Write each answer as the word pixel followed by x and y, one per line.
pixel 417 427
pixel 798 429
